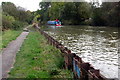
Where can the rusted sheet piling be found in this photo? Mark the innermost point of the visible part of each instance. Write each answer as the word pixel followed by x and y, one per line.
pixel 81 70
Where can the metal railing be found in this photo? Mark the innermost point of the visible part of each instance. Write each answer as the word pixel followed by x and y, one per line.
pixel 81 70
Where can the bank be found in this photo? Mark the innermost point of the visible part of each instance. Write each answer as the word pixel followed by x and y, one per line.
pixel 7 36
pixel 38 59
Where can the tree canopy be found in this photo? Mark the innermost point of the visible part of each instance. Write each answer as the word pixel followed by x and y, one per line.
pixel 14 17
pixel 106 14
pixel 68 12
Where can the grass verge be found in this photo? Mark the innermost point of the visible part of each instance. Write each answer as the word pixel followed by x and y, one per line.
pixel 8 36
pixel 38 59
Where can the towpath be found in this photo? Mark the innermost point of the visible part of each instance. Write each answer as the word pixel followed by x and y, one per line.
pixel 9 54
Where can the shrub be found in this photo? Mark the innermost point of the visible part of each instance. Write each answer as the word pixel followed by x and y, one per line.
pixel 18 25
pixel 7 21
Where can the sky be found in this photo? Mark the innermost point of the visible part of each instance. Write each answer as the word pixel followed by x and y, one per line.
pixel 31 5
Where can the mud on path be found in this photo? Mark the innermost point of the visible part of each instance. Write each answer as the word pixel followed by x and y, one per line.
pixel 9 54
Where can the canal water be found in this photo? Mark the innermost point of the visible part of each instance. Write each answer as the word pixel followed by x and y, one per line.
pixel 96 45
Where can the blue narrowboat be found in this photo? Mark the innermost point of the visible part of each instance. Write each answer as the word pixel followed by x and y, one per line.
pixel 56 23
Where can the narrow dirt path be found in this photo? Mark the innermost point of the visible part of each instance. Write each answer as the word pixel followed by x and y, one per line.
pixel 9 53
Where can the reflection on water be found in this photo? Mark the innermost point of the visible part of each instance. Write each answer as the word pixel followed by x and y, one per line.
pixel 97 45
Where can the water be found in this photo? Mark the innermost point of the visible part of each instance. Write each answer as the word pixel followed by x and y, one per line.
pixel 97 45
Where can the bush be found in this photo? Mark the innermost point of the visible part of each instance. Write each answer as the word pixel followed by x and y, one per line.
pixel 6 24
pixel 18 25
pixel 67 22
pixel 86 22
pixel 7 21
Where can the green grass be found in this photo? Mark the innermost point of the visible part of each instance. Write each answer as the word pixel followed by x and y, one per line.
pixel 38 59
pixel 8 36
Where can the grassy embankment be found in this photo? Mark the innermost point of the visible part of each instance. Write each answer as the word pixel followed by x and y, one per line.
pixel 38 59
pixel 7 36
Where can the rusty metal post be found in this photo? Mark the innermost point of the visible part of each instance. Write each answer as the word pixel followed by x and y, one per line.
pixel 95 75
pixel 84 70
pixel 81 70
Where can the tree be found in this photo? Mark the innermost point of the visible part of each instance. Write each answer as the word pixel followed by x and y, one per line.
pixel 107 14
pixel 44 11
pixel 56 9
pixel 14 17
pixel 111 13
pixel 7 21
pixel 9 8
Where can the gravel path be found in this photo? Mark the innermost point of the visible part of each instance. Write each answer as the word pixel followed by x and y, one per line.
pixel 9 54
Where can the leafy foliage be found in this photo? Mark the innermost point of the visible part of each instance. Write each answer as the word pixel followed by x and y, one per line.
pixel 68 12
pixel 18 25
pixel 106 14
pixel 15 17
pixel 7 21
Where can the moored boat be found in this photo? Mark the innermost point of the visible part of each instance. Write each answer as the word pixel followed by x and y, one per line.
pixel 56 23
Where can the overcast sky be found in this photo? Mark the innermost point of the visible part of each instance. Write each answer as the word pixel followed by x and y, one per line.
pixel 33 5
